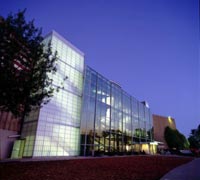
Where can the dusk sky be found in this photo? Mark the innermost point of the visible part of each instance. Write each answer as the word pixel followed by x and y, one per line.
pixel 149 47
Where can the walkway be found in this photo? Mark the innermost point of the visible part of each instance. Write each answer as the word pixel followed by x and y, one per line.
pixel 189 171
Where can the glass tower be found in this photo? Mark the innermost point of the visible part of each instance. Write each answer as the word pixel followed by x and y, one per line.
pixel 54 130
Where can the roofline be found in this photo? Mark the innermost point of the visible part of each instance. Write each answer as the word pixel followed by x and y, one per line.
pixel 162 116
pixel 112 82
pixel 54 33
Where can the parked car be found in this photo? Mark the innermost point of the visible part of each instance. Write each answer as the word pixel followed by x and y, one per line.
pixel 195 151
pixel 186 152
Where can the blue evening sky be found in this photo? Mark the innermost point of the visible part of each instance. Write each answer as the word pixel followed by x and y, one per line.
pixel 149 47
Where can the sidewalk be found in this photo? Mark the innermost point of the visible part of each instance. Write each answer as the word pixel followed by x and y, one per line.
pixel 189 171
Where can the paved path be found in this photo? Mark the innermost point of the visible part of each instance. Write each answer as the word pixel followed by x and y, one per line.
pixel 189 171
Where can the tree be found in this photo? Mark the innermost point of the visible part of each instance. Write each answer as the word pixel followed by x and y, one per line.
pixel 194 138
pixel 175 139
pixel 25 65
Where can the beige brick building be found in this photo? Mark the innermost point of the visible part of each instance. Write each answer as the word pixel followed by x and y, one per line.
pixel 159 125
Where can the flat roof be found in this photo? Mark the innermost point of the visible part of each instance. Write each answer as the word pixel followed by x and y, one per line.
pixel 54 33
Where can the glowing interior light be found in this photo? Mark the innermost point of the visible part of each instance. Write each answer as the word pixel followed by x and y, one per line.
pixel 170 119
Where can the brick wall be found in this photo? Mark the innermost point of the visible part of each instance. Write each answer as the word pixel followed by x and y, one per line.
pixel 159 125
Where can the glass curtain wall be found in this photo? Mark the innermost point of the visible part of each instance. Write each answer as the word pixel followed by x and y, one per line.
pixel 56 129
pixel 113 122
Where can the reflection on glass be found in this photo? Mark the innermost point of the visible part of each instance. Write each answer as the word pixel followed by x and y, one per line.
pixel 112 121
pixel 55 129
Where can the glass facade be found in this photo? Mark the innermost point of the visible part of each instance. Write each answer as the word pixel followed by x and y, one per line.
pixel 113 122
pixel 54 130
pixel 90 115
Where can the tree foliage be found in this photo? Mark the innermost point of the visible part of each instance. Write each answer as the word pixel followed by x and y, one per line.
pixel 175 139
pixel 194 138
pixel 24 66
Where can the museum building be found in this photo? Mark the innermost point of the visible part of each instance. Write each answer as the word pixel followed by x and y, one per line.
pixel 89 116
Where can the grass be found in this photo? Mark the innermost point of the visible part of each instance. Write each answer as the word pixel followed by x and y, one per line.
pixel 108 168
